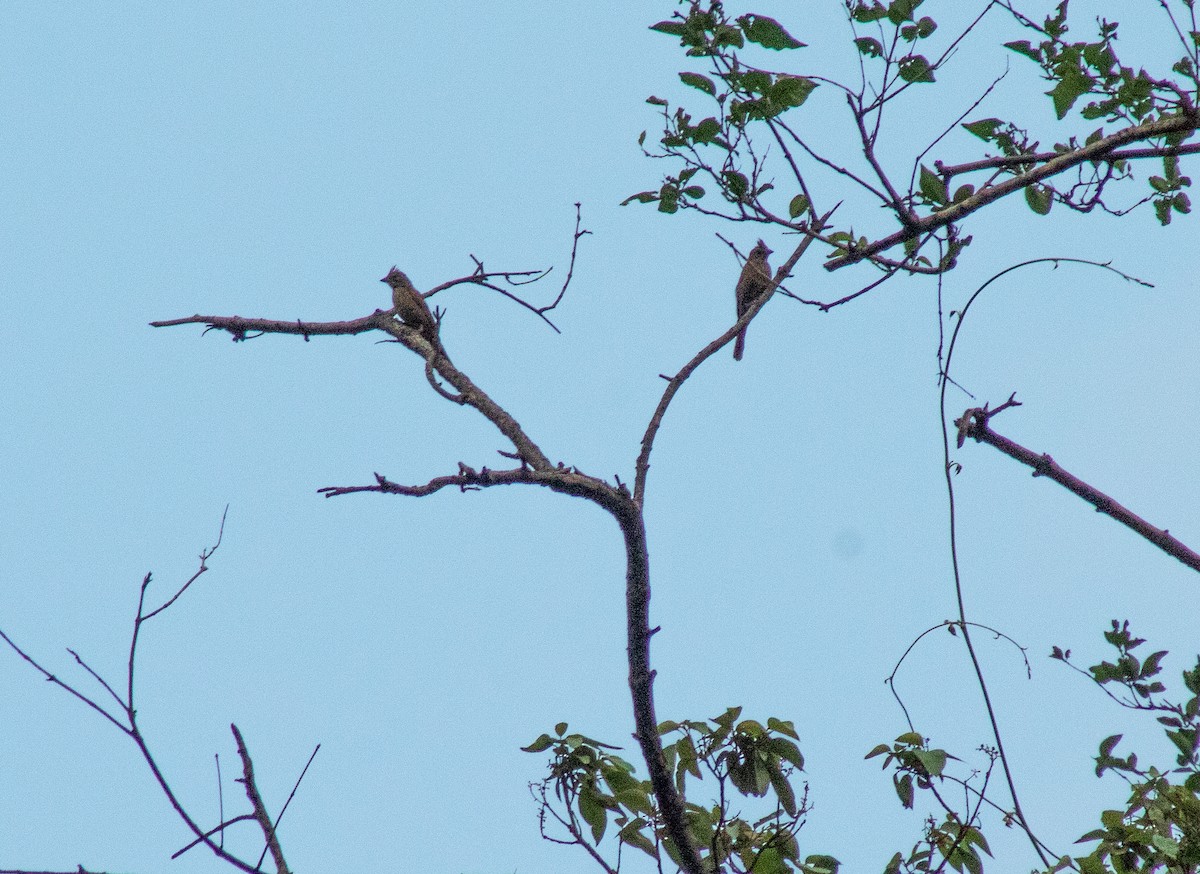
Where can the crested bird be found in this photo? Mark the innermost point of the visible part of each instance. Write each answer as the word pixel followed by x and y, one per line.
pixel 752 284
pixel 410 305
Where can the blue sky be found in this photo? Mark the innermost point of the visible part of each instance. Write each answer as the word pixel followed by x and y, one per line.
pixel 162 160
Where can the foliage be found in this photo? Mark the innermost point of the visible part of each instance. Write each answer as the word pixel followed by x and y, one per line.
pixel 592 787
pixel 718 150
pixel 1159 828
pixel 754 111
pixel 725 165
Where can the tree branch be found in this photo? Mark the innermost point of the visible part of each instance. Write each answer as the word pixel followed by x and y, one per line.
pixel 1183 123
pixel 256 802
pixel 975 424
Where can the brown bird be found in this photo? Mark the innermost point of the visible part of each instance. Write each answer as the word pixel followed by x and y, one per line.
pixel 410 306
pixel 752 284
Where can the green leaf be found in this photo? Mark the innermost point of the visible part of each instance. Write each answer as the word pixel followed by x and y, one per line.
pixel 751 727
pixel 632 835
pixel 916 68
pixel 932 186
pixel 726 36
pixel 544 742
pixel 962 193
pixel 818 864
pixel 900 11
pixel 737 185
pixel 1039 198
pixel 640 197
pixel 933 760
pixel 706 131
pixel 1150 666
pixel 1072 85
pixel 1185 741
pixel 695 192
pixel 703 83
pixel 966 859
pixel 689 760
pixel 869 46
pixel 618 779
pixel 636 801
pixel 790 91
pixel 671 28
pixel 783 791
pixel 767 32
pixel 865 14
pixel 786 750
pixel 985 128
pixel 668 199
pixel 920 30
pixel 1055 26
pixel 1166 846
pixel 593 812
pixel 1023 47
pixel 784 726
pixel 911 738
pixel 770 861
pixel 904 789
pixel 754 82
pixel 974 836
pixel 1109 744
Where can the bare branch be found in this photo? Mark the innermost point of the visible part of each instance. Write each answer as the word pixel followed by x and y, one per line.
pixel 484 278
pixel 976 425
pixel 256 802
pixel 67 687
pixel 948 171
pixel 674 383
pixel 205 555
pixel 219 829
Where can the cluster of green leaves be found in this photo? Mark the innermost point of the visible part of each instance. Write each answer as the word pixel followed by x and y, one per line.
pixel 707 31
pixel 1120 94
pixel 901 14
pixel 1159 828
pixel 742 94
pixel 915 763
pixel 595 786
pixel 1094 68
pixel 1169 196
pixel 953 841
pixel 745 94
pixel 1013 142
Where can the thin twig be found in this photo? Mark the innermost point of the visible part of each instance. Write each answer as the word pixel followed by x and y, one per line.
pixel 291 795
